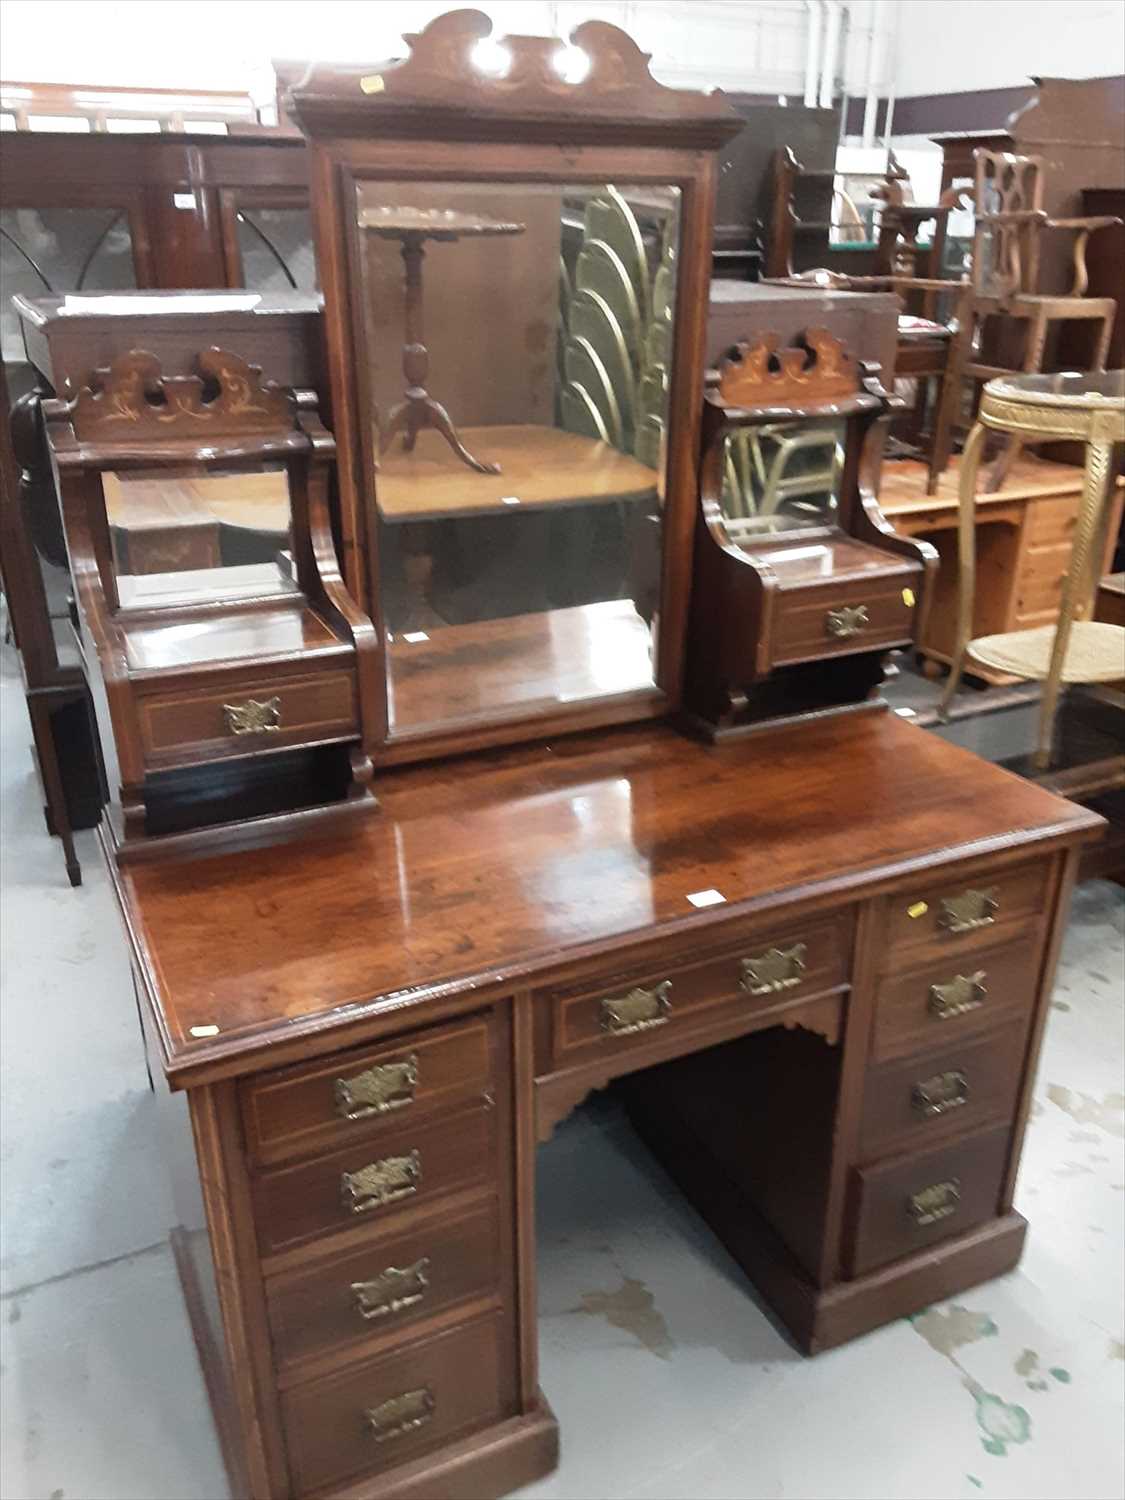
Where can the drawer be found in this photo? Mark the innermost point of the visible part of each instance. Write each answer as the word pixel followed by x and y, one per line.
pixel 383 1413
pixel 1041 580
pixel 385 1288
pixel 947 1000
pixel 371 1181
pixel 908 1102
pixel 904 1206
pixel 188 726
pixel 766 973
pixel 955 915
pixel 1050 523
pixel 366 1091
pixel 815 623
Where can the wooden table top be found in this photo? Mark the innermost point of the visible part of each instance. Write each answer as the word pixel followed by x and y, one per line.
pixel 902 487
pixel 539 467
pixel 459 672
pixel 488 870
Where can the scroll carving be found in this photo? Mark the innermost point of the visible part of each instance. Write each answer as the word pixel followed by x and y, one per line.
pixel 759 374
pixel 441 69
pixel 133 398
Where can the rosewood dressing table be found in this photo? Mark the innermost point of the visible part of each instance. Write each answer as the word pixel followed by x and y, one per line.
pixel 815 960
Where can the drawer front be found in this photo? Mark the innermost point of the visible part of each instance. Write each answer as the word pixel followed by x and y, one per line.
pixel 388 1411
pixel 373 1181
pixel 1041 581
pixel 248 717
pixel 766 973
pixel 366 1091
pixel 947 1000
pixel 955 915
pixel 1050 523
pixel 808 626
pixel 909 1204
pixel 908 1103
pixel 385 1288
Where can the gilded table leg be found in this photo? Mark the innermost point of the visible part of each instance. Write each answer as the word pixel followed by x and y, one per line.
pixel 1097 481
pixel 967 557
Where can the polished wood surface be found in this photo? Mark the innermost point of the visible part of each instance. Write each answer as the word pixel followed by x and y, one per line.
pixel 461 673
pixel 232 945
pixel 539 467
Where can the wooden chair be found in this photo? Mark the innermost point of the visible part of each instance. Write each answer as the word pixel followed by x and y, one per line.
pixel 1004 288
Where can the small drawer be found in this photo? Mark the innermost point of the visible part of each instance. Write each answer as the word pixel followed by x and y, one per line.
pixel 906 1205
pixel 1042 578
pixel 909 1102
pixel 385 1288
pixel 366 1091
pixel 948 999
pixel 372 1181
pixel 814 624
pixel 247 717
pixel 957 915
pixel 377 1415
pixel 767 973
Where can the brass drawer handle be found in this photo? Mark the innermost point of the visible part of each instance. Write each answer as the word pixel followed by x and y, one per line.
pixel 850 619
pixel 961 994
pixel 377 1090
pixel 253 717
pixel 392 1291
pixel 776 969
pixel 932 1204
pixel 941 1093
pixel 381 1182
pixel 639 1010
pixel 401 1414
pixel 968 911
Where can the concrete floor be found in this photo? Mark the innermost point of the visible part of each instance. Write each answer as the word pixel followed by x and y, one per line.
pixel 667 1378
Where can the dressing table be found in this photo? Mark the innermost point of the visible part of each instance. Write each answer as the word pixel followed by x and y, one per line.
pixel 816 960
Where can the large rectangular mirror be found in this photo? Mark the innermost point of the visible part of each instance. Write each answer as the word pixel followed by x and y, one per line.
pixel 517 340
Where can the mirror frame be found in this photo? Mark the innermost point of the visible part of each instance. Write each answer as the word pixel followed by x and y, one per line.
pixel 435 116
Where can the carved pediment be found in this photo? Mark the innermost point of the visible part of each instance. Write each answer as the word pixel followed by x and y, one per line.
pixel 134 399
pixel 820 369
pixel 526 76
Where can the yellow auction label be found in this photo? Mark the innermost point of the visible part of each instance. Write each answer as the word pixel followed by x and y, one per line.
pixel 919 909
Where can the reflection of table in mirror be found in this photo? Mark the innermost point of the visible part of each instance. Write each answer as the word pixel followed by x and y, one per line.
pixel 459 672
pixel 196 522
pixel 540 467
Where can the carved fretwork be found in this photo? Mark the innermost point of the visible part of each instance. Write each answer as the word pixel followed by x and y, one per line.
pixel 133 398
pixel 759 374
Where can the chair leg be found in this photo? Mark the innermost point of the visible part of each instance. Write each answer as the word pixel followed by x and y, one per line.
pixel 1032 364
pixel 966 553
pixel 1097 482
pixel 43 733
pixel 949 404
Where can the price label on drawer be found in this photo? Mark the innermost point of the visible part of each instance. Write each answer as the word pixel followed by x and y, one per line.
pixel 919 909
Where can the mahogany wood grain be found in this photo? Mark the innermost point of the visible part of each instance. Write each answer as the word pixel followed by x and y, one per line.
pixel 906 1019
pixel 315 1311
pixel 298 1203
pixel 916 917
pixel 884 1225
pixel 281 630
pixel 329 1437
pixel 297 1111
pixel 894 1119
pixel 615 832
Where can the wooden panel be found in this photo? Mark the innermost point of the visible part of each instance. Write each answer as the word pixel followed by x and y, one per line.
pixel 908 1103
pixel 294 1205
pixel 315 1106
pixel 801 630
pixel 1052 522
pixel 996 984
pixel 887 1221
pixel 922 923
pixel 329 1433
pixel 445 1260
pixel 1041 581
pixel 191 726
pixel 595 1020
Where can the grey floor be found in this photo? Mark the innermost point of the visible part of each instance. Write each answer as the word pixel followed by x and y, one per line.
pixel 667 1378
